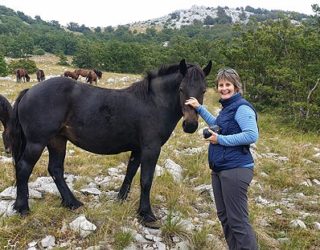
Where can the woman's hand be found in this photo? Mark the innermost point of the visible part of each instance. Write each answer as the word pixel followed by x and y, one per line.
pixel 213 138
pixel 193 102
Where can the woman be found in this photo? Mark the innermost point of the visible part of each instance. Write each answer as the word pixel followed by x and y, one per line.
pixel 230 158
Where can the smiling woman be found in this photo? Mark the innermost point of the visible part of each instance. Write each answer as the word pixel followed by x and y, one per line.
pixel 230 158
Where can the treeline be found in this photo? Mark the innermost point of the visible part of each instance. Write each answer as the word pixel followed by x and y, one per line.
pixel 278 60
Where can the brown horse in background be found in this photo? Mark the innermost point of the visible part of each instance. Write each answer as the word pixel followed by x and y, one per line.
pixel 22 74
pixel 82 72
pixel 92 77
pixel 71 74
pixel 40 75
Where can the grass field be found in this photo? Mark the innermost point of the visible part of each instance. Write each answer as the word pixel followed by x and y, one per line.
pixel 285 159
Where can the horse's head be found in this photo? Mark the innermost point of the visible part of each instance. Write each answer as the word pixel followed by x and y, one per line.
pixel 192 85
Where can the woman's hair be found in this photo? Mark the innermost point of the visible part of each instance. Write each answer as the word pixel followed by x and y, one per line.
pixel 232 76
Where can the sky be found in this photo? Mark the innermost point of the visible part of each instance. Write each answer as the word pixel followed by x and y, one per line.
pixel 103 13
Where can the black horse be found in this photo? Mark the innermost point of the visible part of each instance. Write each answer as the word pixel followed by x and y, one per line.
pixel 5 114
pixel 139 119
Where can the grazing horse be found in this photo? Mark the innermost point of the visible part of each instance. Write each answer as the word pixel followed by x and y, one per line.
pixel 139 118
pixel 71 74
pixel 40 75
pixel 92 77
pixel 22 74
pixel 5 114
pixel 82 72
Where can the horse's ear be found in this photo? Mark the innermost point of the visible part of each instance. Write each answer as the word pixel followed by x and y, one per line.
pixel 183 67
pixel 207 69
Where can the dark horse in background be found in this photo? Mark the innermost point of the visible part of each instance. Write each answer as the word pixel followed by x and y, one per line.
pixel 139 119
pixel 5 114
pixel 98 73
pixel 40 75
pixel 22 74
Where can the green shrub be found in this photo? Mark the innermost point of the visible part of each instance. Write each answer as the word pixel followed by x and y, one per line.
pixel 3 67
pixel 28 64
pixel 63 60
pixel 38 52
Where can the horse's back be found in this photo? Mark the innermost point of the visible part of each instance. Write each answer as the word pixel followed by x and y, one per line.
pixel 50 89
pixel 99 120
pixel 92 118
pixel 45 104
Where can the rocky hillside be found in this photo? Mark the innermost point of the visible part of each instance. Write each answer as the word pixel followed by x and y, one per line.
pixel 212 16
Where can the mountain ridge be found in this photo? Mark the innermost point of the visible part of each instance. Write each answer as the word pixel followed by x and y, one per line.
pixel 211 16
pixel 175 20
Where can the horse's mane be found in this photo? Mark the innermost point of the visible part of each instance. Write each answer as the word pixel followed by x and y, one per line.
pixel 194 73
pixel 141 88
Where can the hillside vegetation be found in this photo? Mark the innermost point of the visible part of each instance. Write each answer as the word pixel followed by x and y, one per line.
pixel 284 196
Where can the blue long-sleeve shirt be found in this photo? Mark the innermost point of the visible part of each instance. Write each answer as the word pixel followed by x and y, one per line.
pixel 245 117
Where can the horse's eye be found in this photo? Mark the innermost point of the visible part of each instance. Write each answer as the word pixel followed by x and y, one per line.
pixel 204 91
pixel 180 90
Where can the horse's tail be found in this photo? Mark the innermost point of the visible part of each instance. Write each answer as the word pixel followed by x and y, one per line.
pixel 16 134
pixel 5 110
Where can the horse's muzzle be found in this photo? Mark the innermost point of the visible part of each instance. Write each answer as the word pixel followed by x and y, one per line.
pixel 189 127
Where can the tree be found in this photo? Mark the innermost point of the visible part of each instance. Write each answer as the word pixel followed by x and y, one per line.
pixel 3 66
pixel 63 60
pixel 209 20
pixel 22 46
pixel 28 64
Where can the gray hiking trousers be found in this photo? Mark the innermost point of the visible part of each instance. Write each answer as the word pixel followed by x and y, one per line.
pixel 230 192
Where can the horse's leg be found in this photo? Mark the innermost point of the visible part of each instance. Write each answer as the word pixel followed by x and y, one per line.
pixel 24 169
pixel 57 152
pixel 133 165
pixel 149 158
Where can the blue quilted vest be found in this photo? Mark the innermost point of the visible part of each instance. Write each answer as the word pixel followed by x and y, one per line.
pixel 227 157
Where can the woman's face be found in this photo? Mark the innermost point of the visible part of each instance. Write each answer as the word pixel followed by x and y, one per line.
pixel 226 89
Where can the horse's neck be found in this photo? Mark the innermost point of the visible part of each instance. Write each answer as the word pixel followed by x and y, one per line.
pixel 167 97
pixel 5 113
pixel 4 119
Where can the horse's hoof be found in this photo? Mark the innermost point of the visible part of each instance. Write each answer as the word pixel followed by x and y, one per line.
pixel 123 193
pixel 149 221
pixel 151 224
pixel 72 205
pixel 22 211
pixel 122 197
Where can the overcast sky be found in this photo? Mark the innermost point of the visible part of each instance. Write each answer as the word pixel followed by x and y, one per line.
pixel 103 13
